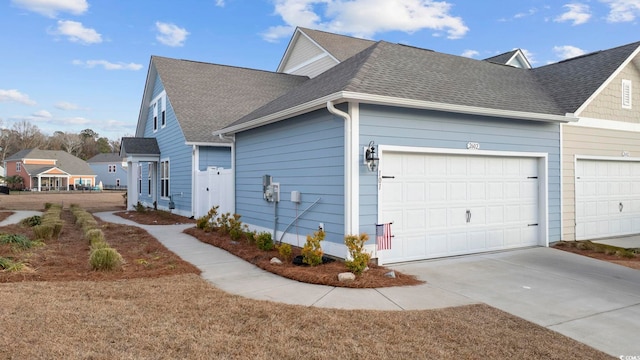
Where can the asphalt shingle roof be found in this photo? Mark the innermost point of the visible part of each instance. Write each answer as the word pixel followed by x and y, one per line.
pixel 412 73
pixel 571 82
pixel 105 158
pixel 139 146
pixel 207 96
pixel 502 58
pixel 339 46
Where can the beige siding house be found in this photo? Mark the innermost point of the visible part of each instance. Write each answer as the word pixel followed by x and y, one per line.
pixel 601 152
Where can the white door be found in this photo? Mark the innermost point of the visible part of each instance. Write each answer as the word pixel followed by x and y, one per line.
pixel 444 205
pixel 214 187
pixel 607 198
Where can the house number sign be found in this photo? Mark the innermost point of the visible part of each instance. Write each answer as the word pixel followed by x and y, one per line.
pixel 473 146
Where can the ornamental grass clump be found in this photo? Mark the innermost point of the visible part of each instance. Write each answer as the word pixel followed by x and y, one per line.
pixel 312 250
pixel 10 265
pixel 105 258
pixel 19 241
pixel 359 258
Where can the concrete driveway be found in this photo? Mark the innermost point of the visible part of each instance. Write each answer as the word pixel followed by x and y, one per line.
pixel 594 302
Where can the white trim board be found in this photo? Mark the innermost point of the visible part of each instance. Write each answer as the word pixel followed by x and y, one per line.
pixel 606 124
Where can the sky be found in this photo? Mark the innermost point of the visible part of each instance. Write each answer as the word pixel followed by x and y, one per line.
pixel 70 65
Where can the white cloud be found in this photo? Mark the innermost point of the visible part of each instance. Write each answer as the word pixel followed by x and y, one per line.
pixel 622 10
pixel 220 3
pixel 365 18
pixel 529 12
pixel 13 95
pixel 567 51
pixel 470 53
pixel 171 34
pixel 63 105
pixel 51 8
pixel 576 13
pixel 76 32
pixel 107 65
pixel 529 55
pixel 42 114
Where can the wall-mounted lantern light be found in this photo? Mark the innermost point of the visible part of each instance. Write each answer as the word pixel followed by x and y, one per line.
pixel 370 158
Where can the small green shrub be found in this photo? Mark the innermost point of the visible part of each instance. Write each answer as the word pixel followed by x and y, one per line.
pixel 17 240
pixel 285 252
pixel 312 250
pixel 263 241
pixel 206 222
pixel 105 259
pixel 231 225
pixel 98 244
pixel 32 221
pixel 359 258
pixel 140 208
pixel 10 265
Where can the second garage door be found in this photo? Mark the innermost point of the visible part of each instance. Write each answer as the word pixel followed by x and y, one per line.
pixel 444 205
pixel 607 198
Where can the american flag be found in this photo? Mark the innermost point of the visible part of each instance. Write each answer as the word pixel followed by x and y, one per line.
pixel 383 236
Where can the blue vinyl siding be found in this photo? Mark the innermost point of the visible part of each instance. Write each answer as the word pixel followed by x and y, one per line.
pixel 109 178
pixel 305 154
pixel 408 127
pixel 173 148
pixel 214 156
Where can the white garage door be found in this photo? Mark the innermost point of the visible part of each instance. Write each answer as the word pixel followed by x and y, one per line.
pixel 444 205
pixel 607 198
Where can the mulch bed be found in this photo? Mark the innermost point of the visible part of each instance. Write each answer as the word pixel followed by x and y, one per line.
pixel 67 257
pixel 325 274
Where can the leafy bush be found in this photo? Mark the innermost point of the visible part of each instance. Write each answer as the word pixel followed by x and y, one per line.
pixel 32 221
pixel 285 252
pixel 359 259
pixel 105 259
pixel 312 250
pixel 263 241
pixel 18 240
pixel 206 222
pixel 140 208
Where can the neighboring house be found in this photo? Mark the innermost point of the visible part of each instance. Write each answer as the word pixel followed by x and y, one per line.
pixel 109 170
pixel 466 153
pixel 49 170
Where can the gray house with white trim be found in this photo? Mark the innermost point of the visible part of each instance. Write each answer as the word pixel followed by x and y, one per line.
pixel 466 153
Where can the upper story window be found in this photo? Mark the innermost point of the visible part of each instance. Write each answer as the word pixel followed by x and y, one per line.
pixel 158 107
pixel 18 166
pixel 112 168
pixel 627 94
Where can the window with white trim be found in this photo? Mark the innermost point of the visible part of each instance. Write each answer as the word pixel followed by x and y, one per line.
pixel 163 112
pixel 149 177
pixel 627 94
pixel 164 178
pixel 112 168
pixel 155 117
pixel 140 179
pixel 18 166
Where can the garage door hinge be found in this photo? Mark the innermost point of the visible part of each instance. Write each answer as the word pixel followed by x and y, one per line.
pixel 532 224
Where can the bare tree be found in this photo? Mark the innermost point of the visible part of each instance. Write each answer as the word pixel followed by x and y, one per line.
pixel 69 142
pixel 28 136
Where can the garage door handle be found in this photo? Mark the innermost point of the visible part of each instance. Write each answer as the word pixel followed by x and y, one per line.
pixel 388 177
pixel 468 216
pixel 621 207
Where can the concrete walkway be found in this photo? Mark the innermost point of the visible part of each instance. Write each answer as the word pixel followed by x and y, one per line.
pixel 17 216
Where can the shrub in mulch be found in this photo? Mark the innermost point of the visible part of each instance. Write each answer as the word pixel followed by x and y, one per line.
pixel 323 274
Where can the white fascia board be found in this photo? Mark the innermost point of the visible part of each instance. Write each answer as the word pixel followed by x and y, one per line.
pixel 607 124
pixel 460 109
pixel 346 96
pixel 146 98
pixel 607 82
pixel 189 143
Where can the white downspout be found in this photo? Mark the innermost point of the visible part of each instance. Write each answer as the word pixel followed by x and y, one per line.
pixel 195 165
pixel 352 182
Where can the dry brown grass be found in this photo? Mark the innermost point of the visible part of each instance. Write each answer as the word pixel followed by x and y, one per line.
pixel 183 316
pixel 90 201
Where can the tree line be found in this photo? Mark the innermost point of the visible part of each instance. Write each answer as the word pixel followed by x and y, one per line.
pixel 24 135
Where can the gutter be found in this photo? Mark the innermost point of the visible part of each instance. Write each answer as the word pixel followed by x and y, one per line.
pixel 344 96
